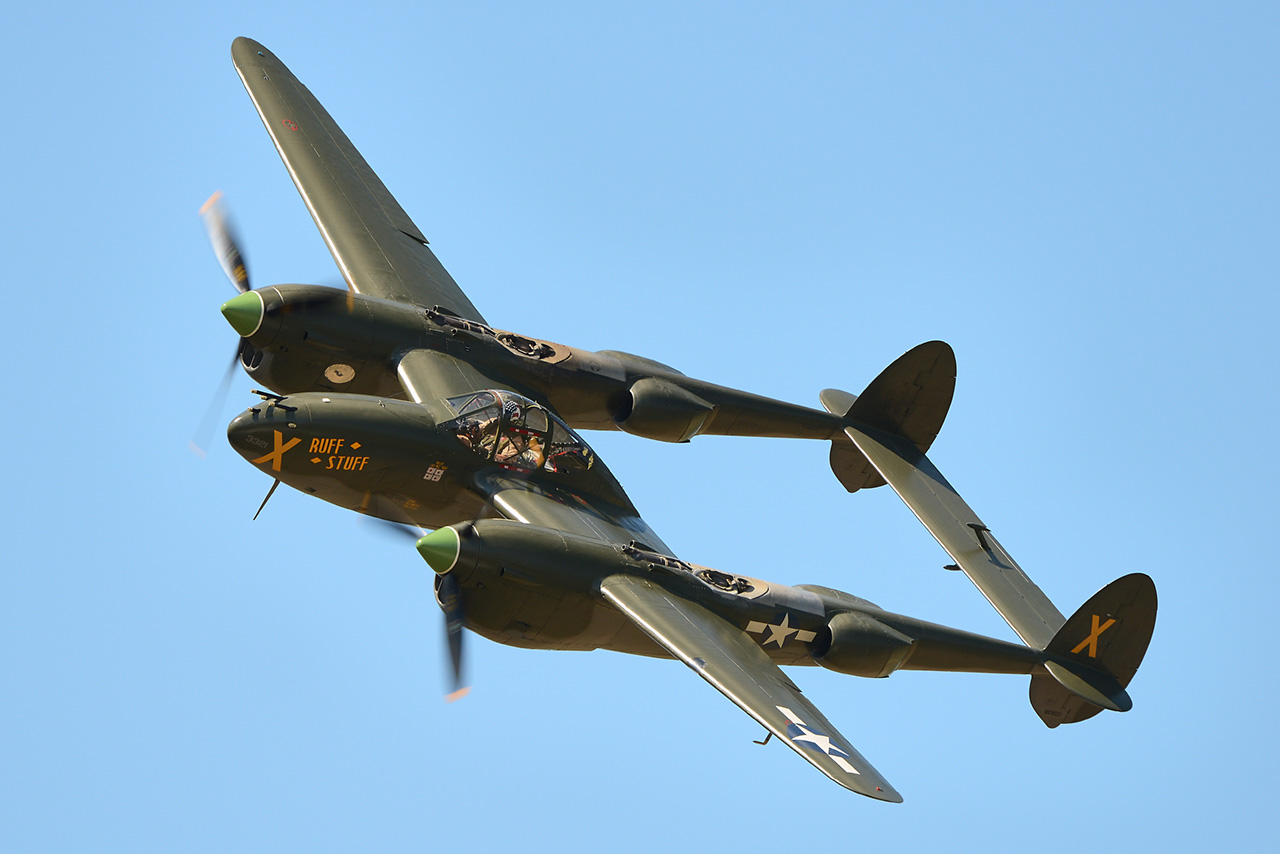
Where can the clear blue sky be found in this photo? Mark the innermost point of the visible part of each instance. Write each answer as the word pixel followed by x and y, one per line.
pixel 1081 198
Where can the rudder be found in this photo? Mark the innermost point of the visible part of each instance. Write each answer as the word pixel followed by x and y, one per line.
pixel 910 398
pixel 1095 654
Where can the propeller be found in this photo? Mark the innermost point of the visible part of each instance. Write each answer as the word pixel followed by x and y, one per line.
pixel 449 598
pixel 217 223
pixel 440 550
pixel 225 245
pixel 449 595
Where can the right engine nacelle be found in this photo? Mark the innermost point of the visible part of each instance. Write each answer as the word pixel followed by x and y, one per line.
pixel 859 645
pixel 657 409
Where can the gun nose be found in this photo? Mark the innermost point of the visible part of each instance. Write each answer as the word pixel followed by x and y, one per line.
pixel 263 434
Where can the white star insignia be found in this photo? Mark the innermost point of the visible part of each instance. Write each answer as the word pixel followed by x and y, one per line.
pixel 815 740
pixel 822 742
pixel 779 633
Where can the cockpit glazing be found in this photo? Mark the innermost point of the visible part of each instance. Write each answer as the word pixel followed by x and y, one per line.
pixel 517 433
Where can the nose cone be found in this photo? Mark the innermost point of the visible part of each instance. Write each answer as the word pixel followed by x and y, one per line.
pixel 250 434
pixel 440 549
pixel 266 434
pixel 244 313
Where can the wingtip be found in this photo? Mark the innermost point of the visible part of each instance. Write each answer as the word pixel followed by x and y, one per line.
pixel 888 796
pixel 244 47
pixel 880 792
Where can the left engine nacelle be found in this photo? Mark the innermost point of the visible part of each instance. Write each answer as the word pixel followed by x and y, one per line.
pixel 859 645
pixel 308 337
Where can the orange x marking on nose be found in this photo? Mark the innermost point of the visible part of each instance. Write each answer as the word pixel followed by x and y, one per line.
pixel 282 446
pixel 1092 640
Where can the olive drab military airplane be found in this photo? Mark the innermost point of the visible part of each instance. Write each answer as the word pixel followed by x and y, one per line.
pixel 397 399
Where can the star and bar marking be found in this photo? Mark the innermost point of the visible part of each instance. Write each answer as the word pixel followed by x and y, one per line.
pixel 779 633
pixel 806 736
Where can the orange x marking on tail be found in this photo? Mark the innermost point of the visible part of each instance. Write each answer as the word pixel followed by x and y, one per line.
pixel 1092 640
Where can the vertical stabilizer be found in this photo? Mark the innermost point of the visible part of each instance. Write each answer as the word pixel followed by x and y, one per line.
pixel 910 399
pixel 1095 654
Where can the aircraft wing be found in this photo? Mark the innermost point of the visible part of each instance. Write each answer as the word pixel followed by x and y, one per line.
pixel 726 657
pixel 374 242
pixel 430 375
pixel 586 513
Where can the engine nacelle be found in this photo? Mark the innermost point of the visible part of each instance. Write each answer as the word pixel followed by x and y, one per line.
pixel 859 645
pixel 657 409
pixel 305 337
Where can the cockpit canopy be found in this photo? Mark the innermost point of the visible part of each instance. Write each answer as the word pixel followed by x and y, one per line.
pixel 517 433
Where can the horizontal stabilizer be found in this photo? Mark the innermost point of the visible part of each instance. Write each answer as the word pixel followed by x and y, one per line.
pixel 959 530
pixel 1088 659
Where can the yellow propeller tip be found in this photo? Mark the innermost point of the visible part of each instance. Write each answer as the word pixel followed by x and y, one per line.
pixel 210 202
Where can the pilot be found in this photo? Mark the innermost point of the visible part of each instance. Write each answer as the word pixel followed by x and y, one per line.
pixel 533 455
pixel 478 433
pixel 511 444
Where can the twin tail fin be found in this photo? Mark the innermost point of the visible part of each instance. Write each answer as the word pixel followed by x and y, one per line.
pixel 1087 660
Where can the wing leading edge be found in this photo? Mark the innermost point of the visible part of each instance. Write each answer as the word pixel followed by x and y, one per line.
pixel 737 667
pixel 374 242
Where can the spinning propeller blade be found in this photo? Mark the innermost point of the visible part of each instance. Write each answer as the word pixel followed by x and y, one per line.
pixel 450 599
pixel 200 441
pixel 225 244
pixel 440 550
